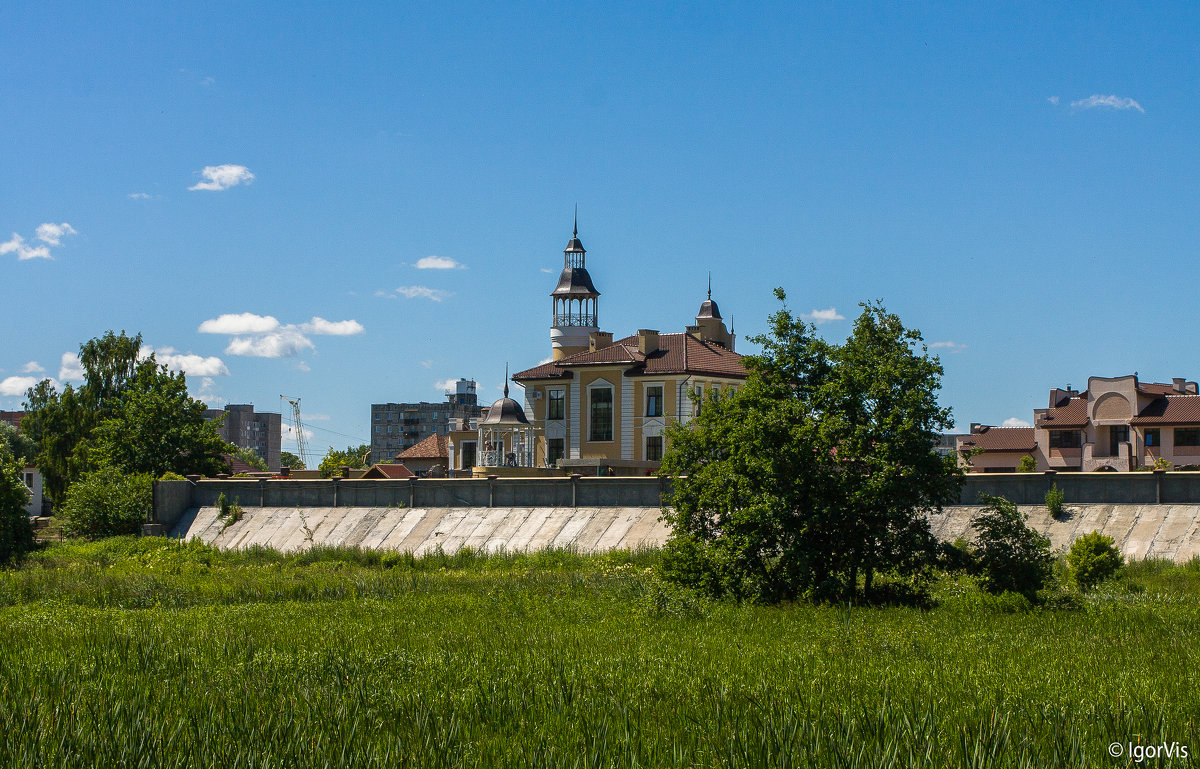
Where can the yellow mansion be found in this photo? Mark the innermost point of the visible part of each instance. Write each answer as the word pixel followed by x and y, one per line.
pixel 602 406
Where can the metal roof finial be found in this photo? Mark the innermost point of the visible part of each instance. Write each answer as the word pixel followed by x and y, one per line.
pixel 575 232
pixel 505 379
pixel 710 284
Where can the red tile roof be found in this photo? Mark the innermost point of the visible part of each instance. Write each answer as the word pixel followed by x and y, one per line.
pixel 676 354
pixel 1000 439
pixel 433 447
pixel 388 471
pixel 1170 410
pixel 1074 414
pixel 238 466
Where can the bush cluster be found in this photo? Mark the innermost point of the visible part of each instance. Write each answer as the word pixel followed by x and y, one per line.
pixel 107 502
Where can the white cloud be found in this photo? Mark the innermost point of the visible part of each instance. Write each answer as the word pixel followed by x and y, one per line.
pixel 439 263
pixel 192 365
pixel 52 234
pixel 243 323
pixel 303 366
pixel 70 369
pixel 317 417
pixel 288 434
pixel 823 316
pixel 427 364
pixel 139 196
pixel 32 367
pixel 1015 422
pixel 332 328
pixel 263 336
pixel 23 250
pixel 547 270
pixel 17 385
pixel 442 385
pixel 953 347
pixel 284 343
pixel 419 292
pixel 1111 101
pixel 1053 100
pixel 207 393
pixel 223 177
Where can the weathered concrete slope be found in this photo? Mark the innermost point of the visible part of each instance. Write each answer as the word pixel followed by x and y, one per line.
pixel 1141 531
pixel 1160 531
pixel 419 530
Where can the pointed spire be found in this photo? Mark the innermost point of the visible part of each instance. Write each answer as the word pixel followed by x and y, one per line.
pixel 505 379
pixel 710 284
pixel 575 231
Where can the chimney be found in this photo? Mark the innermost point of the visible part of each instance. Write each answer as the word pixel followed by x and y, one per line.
pixel 598 340
pixel 1179 384
pixel 647 341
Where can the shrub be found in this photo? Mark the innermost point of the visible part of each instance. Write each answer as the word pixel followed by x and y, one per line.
pixel 16 533
pixel 956 557
pixel 1093 558
pixel 1011 555
pixel 1027 465
pixel 1054 501
pixel 106 503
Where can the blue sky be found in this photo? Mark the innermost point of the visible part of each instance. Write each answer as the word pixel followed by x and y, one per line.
pixel 262 191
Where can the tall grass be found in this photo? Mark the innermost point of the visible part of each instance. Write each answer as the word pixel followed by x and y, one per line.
pixel 131 652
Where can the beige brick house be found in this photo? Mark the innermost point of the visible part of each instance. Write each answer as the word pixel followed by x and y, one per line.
pixel 1117 423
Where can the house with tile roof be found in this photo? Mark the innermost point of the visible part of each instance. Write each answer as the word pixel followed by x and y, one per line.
pixel 1117 423
pixel 602 406
pixel 426 456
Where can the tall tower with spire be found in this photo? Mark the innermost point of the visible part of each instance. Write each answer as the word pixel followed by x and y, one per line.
pixel 575 301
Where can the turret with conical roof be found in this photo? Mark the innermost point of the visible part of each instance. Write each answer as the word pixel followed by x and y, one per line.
pixel 575 301
pixel 710 326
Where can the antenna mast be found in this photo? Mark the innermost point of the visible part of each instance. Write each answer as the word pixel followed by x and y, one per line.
pixel 298 428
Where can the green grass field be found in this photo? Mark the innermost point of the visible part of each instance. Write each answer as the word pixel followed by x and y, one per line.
pixel 147 653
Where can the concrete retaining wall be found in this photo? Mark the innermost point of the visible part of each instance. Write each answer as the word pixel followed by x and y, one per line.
pixel 419 530
pixel 1159 531
pixel 1021 488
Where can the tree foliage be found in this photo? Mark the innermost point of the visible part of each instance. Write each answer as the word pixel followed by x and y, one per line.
pixel 291 461
pixel 107 502
pixel 1011 555
pixel 16 532
pixel 19 445
pixel 819 470
pixel 353 456
pixel 1092 559
pixel 131 414
pixel 249 456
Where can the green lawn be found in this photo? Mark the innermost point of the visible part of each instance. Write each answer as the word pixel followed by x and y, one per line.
pixel 144 653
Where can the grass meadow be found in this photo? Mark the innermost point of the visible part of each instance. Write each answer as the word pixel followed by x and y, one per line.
pixel 150 653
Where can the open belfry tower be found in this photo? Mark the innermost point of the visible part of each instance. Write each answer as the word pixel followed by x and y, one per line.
pixel 575 302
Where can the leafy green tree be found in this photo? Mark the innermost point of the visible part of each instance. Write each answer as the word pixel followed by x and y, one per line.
pixel 132 415
pixel 290 460
pixel 16 532
pixel 59 423
pixel 820 470
pixel 246 455
pixel 1027 465
pixel 155 427
pixel 107 502
pixel 1011 555
pixel 335 460
pixel 19 444
pixel 1092 559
